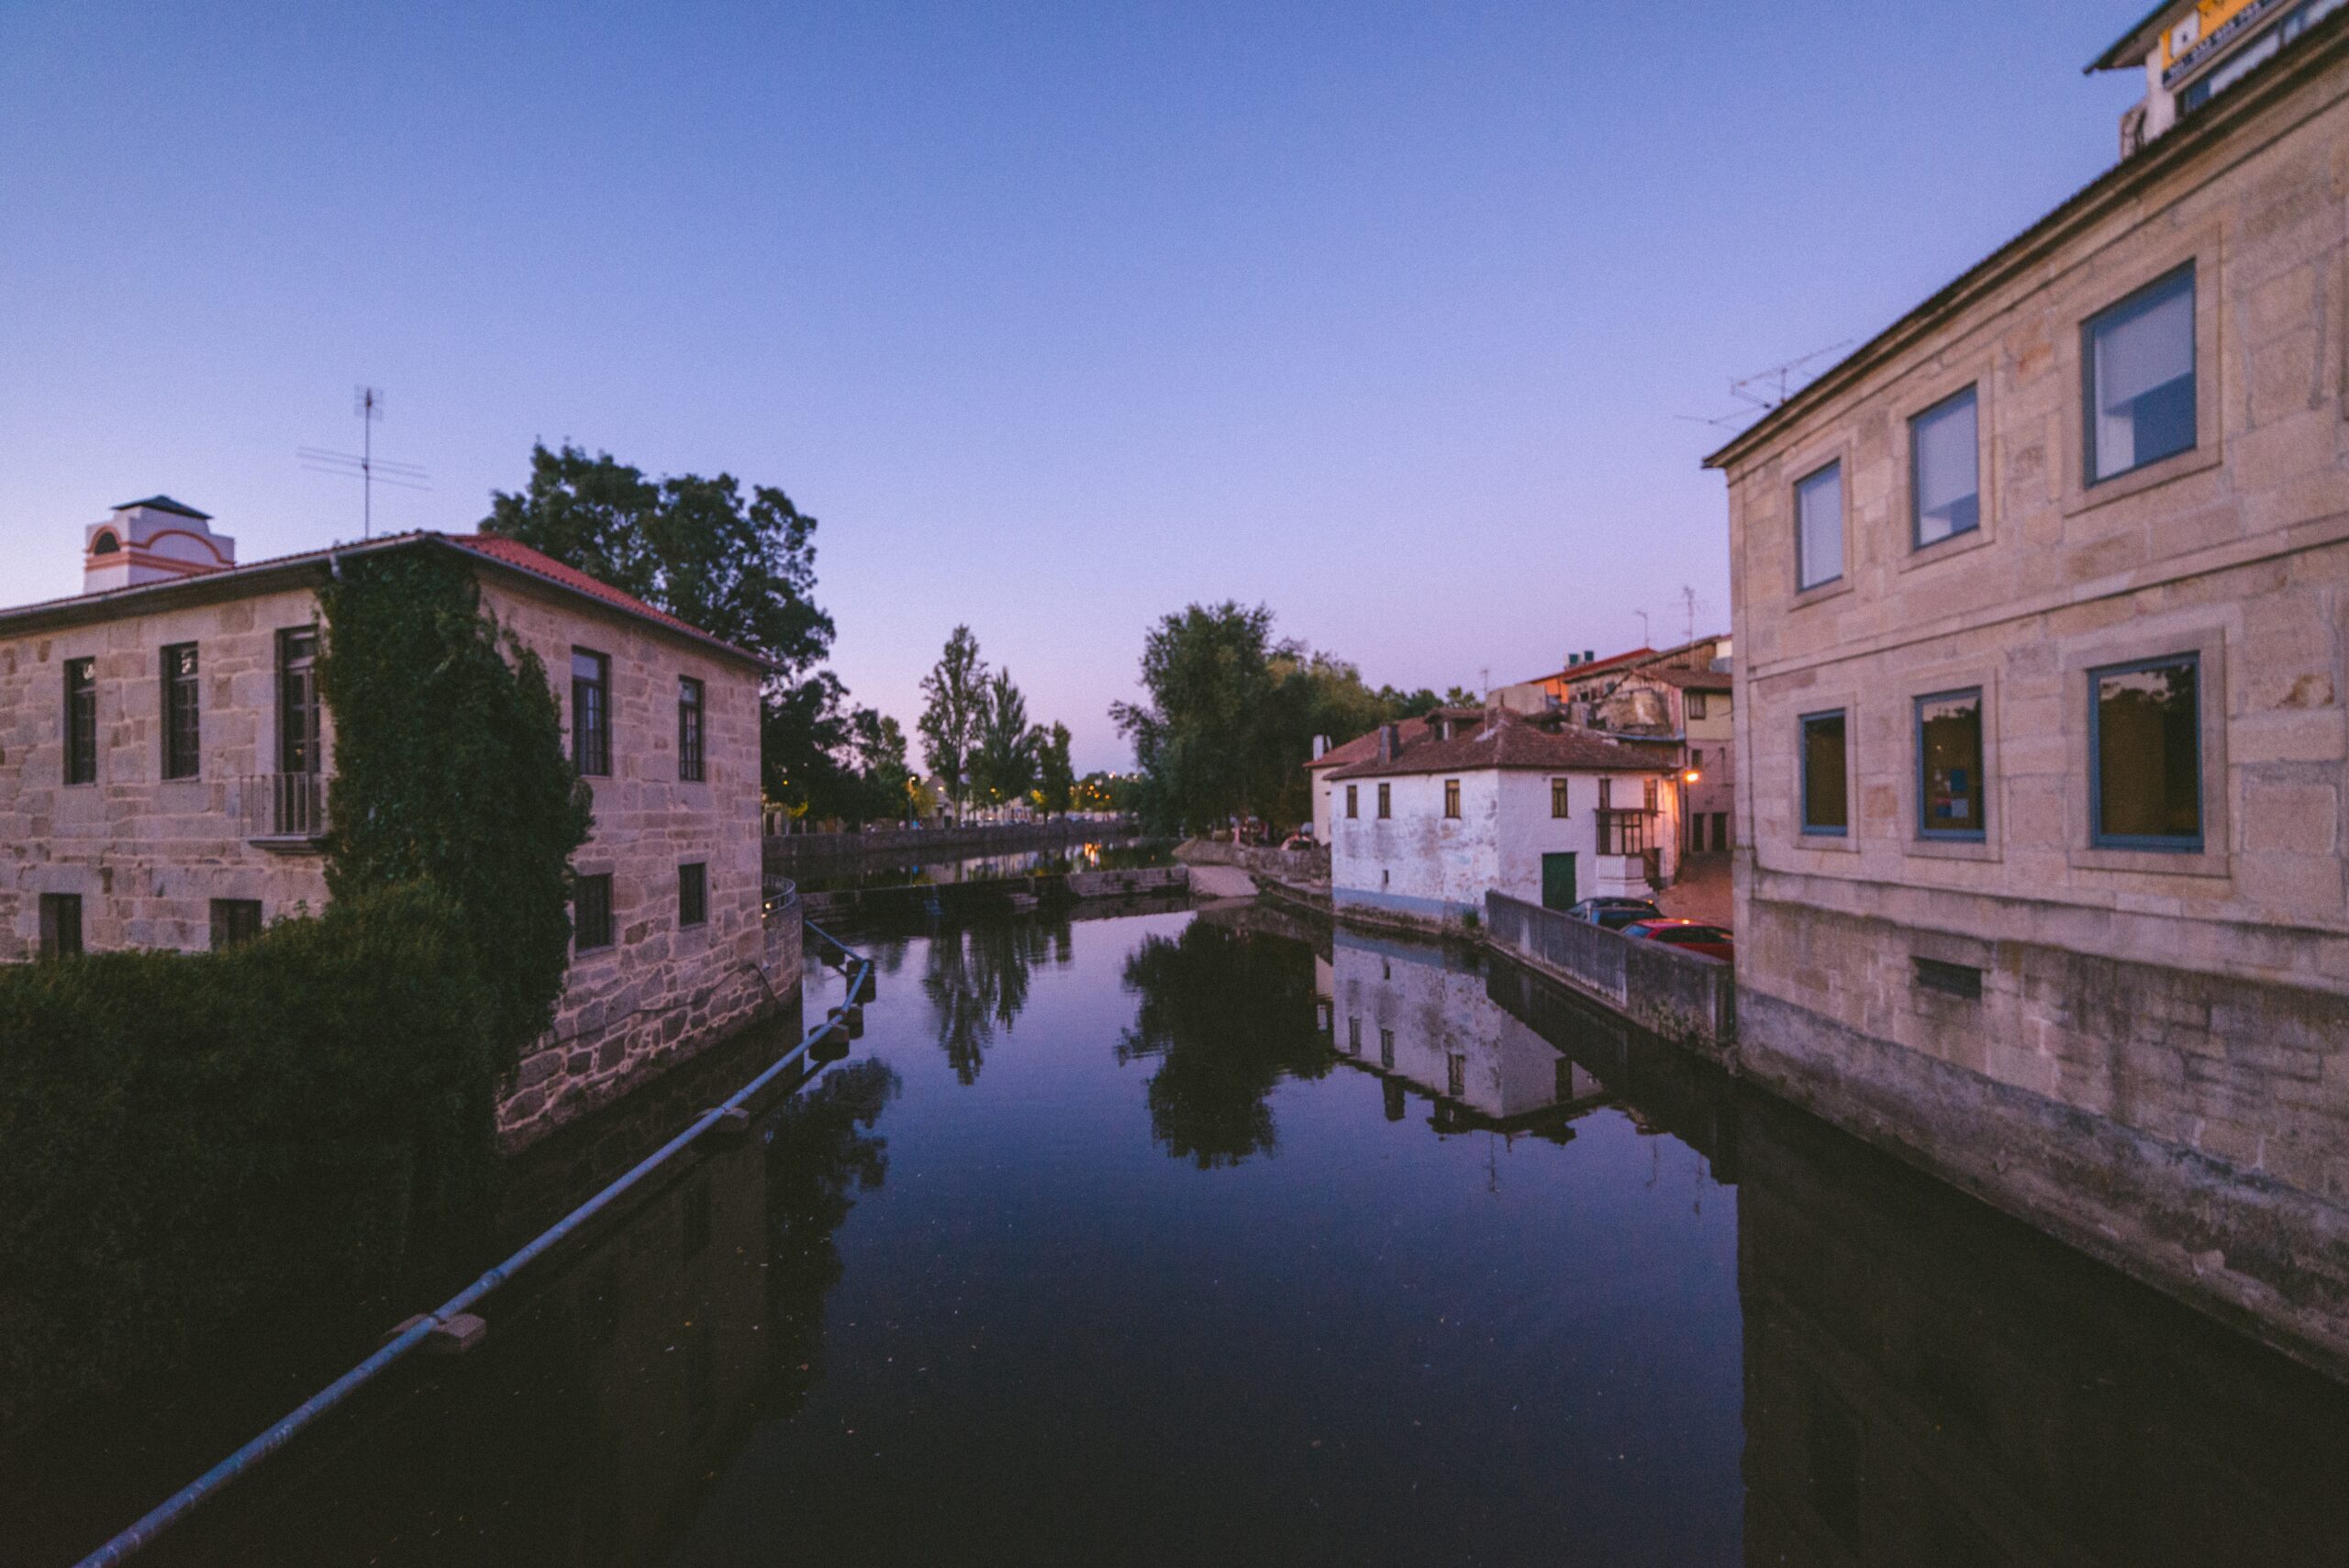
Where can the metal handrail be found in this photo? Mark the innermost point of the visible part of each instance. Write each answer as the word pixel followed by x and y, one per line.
pixel 857 969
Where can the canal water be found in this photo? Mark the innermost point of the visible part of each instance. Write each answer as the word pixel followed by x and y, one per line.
pixel 950 870
pixel 1206 1237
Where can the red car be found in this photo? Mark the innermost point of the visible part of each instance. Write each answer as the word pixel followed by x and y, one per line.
pixel 1691 936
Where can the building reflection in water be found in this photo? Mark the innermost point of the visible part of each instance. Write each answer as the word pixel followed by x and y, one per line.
pixel 1927 1381
pixel 585 1429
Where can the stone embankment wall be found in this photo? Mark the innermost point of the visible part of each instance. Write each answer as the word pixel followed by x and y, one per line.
pixel 1685 997
pixel 1292 865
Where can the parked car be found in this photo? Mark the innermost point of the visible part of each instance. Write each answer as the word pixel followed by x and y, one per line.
pixel 1695 936
pixel 1614 913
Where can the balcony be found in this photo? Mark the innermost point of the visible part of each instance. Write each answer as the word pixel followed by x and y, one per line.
pixel 283 811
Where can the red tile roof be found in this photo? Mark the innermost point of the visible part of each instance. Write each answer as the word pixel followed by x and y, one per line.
pixel 1576 671
pixel 522 557
pixel 1505 740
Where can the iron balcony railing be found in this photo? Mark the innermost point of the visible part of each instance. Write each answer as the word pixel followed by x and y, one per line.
pixel 283 807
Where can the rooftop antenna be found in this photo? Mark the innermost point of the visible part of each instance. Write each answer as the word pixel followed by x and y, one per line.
pixel 1688 598
pixel 367 402
pixel 1644 642
pixel 1766 389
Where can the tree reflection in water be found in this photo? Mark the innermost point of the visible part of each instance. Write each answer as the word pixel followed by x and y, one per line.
pixel 976 980
pixel 822 1150
pixel 1227 1012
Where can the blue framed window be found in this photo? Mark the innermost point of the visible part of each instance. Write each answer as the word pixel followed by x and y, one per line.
pixel 2137 361
pixel 1826 793
pixel 1819 527
pixel 1944 471
pixel 1951 792
pixel 2145 754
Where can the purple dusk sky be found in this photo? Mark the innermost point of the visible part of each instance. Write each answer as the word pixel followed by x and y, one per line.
pixel 1057 316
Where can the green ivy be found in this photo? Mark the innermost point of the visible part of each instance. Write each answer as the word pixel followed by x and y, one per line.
pixel 449 767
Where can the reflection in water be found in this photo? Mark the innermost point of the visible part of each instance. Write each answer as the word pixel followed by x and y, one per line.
pixel 608 1393
pixel 976 980
pixel 1227 1012
pixel 1421 1016
pixel 1122 855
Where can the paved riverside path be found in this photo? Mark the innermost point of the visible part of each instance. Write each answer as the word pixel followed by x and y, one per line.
pixel 1222 882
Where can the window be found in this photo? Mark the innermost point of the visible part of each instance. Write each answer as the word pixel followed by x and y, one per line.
pixel 1944 471
pixel 2145 754
pixel 1825 809
pixel 1354 1036
pixel 1561 799
pixel 61 924
pixel 689 765
pixel 234 920
pixel 693 893
pixel 1649 796
pixel 106 544
pixel 1606 795
pixel 2138 362
pixel 1819 527
pixel 183 731
pixel 1452 798
pixel 591 713
pixel 1385 801
pixel 591 913
pixel 298 701
pixel 1353 800
pixel 1387 1048
pixel 1696 704
pixel 80 721
pixel 1455 1073
pixel 1950 799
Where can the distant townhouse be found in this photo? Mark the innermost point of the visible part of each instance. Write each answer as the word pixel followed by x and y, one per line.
pixel 1430 813
pixel 167 754
pixel 2040 610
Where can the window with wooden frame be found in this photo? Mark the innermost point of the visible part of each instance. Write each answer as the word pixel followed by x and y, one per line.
pixel 591 713
pixel 61 924
pixel 1451 799
pixel 591 913
pixel 689 728
pixel 298 750
pixel 1561 799
pixel 235 921
pixel 182 726
pixel 1353 800
pixel 80 721
pixel 1385 801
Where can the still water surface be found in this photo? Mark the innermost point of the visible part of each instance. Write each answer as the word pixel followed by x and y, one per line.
pixel 1201 1238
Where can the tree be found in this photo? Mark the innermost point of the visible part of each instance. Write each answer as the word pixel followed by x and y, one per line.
pixel 950 719
pixel 1055 777
pixel 884 778
pixel 741 569
pixel 1004 766
pixel 1206 670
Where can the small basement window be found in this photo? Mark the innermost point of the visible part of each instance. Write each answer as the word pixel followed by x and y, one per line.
pixel 1958 980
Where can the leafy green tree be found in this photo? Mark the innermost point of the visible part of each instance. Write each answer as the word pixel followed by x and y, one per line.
pixel 1004 766
pixel 1055 776
pixel 954 713
pixel 883 775
pixel 1207 672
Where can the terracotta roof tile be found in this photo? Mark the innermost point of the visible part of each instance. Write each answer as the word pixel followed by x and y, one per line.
pixel 1509 742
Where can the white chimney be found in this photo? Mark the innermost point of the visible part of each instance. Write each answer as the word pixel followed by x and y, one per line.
pixel 155 541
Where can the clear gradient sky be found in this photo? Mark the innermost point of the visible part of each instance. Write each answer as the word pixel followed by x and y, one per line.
pixel 1057 316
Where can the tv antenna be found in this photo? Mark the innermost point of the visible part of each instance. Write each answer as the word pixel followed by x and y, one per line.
pixel 1688 598
pixel 1645 641
pixel 1766 389
pixel 367 402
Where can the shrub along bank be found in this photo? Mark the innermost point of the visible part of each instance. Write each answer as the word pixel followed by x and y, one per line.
pixel 308 1115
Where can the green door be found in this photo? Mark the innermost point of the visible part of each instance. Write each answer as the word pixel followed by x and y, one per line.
pixel 1557 882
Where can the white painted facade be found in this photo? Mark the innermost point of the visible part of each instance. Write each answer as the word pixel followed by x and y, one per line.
pixel 1421 862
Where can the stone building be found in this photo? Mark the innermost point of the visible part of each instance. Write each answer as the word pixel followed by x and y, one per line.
pixel 2039 609
pixel 1430 813
pixel 164 758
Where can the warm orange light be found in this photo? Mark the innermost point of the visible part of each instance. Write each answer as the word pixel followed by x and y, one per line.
pixel 1691 776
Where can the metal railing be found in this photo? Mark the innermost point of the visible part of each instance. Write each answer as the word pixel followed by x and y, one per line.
pixel 839 1024
pixel 777 894
pixel 291 807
